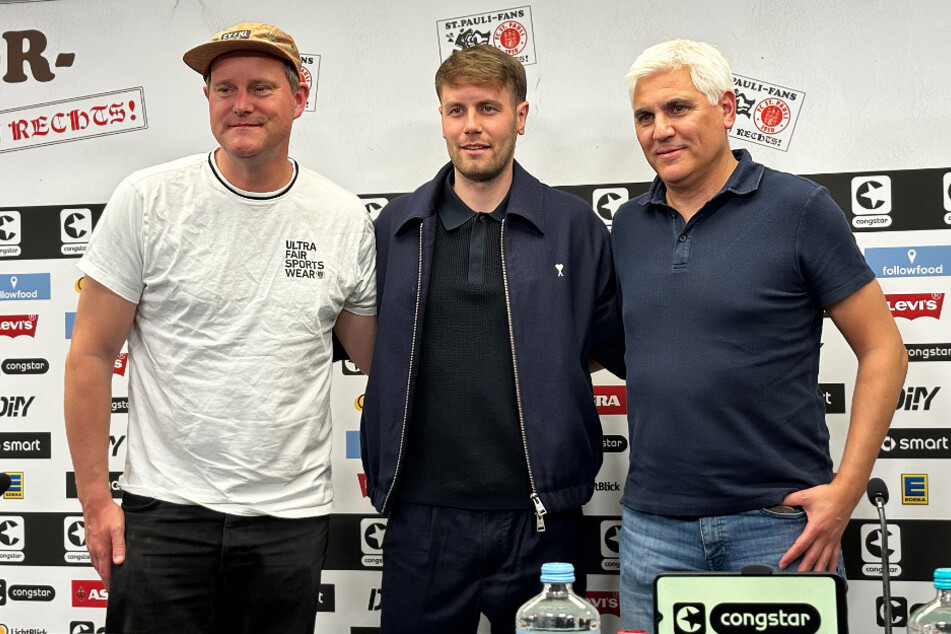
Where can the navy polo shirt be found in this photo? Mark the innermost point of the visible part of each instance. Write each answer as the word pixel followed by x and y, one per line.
pixel 722 319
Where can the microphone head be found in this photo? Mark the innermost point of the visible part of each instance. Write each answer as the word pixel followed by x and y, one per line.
pixel 877 489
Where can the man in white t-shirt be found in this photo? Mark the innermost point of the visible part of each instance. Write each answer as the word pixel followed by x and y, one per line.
pixel 226 273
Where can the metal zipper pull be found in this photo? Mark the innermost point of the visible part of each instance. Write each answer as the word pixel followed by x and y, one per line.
pixel 540 512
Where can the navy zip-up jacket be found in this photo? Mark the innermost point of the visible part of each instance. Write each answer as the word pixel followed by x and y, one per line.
pixel 561 297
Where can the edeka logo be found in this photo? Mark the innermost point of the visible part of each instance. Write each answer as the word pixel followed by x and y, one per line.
pixel 916 398
pixel 18 325
pixel 929 351
pixel 610 399
pixel 914 305
pixel 26 48
pixel 904 442
pixel 16 489
pixel 606 602
pixel 25 366
pixel 834 396
pixel 914 488
pixel 923 261
pixel 753 618
pixel 24 286
pixel 89 593
pixel 872 549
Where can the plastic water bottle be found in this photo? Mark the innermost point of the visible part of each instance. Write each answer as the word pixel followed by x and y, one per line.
pixel 557 608
pixel 934 617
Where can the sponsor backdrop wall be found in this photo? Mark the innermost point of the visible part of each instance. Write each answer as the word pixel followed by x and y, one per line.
pixel 853 95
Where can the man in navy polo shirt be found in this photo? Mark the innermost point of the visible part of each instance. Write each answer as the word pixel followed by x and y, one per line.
pixel 724 269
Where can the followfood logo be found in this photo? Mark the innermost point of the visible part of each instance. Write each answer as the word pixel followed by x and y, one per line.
pixel 914 305
pixel 24 286
pixel 924 261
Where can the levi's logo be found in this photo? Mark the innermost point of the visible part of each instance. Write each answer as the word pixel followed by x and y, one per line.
pixel 120 363
pixel 606 602
pixel 915 305
pixel 610 399
pixel 16 325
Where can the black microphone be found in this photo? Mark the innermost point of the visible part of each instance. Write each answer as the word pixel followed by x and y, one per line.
pixel 4 483
pixel 878 496
pixel 877 491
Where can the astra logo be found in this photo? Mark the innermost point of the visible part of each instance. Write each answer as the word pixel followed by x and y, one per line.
pixel 18 325
pixel 750 618
pixel 914 305
pixel 610 399
pixel 89 594
pixel 606 602
pixel 915 398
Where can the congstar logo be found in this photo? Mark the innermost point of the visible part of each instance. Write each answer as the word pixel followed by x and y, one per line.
pixel 755 618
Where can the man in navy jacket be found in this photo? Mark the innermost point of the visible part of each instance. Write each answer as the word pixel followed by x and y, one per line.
pixel 480 436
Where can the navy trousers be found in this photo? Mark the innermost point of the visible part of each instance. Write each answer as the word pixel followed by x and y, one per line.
pixel 442 567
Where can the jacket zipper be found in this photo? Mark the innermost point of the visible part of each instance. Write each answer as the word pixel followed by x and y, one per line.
pixel 540 509
pixel 409 374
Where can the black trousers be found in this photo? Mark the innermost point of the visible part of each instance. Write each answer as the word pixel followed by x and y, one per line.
pixel 442 567
pixel 189 569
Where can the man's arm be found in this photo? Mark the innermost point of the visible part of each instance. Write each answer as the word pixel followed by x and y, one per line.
pixel 865 321
pixel 102 324
pixel 357 333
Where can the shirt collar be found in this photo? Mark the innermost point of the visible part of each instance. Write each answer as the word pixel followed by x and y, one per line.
pixel 745 179
pixel 454 213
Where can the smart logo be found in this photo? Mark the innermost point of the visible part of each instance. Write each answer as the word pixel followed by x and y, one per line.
pixel 924 261
pixel 914 488
pixel 24 286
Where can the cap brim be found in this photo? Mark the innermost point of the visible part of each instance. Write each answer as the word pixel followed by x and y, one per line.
pixel 201 57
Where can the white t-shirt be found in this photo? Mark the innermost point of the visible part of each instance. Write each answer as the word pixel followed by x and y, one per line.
pixel 230 349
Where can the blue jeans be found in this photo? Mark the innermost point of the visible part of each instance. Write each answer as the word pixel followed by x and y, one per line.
pixel 191 570
pixel 651 544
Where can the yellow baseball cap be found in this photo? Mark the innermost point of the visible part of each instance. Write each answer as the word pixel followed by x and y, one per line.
pixel 247 36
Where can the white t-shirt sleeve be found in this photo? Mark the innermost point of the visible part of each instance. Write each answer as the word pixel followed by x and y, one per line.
pixel 114 254
pixel 362 299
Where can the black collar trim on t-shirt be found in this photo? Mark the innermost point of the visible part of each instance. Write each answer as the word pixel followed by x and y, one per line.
pixel 252 195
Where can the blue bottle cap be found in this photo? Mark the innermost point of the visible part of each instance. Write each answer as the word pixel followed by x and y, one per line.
pixel 558 573
pixel 942 578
